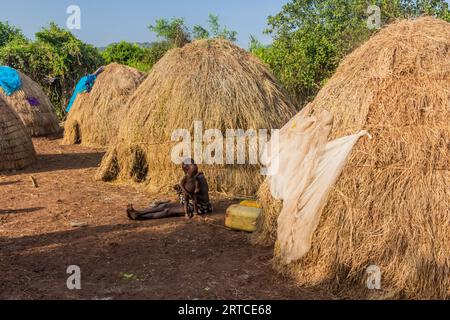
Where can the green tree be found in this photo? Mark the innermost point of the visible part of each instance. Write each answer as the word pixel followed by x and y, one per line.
pixel 124 53
pixel 153 54
pixel 258 49
pixel 217 31
pixel 173 31
pixel 312 36
pixel 56 60
pixel 178 34
pixel 10 33
pixel 199 32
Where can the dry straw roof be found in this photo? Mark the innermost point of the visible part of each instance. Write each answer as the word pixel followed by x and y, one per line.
pixel 96 116
pixel 16 147
pixel 40 120
pixel 209 80
pixel 391 206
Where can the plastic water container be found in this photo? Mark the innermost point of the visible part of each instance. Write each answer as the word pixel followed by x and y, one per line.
pixel 243 217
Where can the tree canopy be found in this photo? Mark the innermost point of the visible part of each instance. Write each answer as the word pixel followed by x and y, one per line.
pixel 311 37
pixel 56 60
pixel 172 33
pixel 178 34
pixel 9 33
pixel 124 53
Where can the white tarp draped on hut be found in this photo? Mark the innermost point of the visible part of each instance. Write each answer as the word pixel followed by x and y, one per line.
pixel 302 172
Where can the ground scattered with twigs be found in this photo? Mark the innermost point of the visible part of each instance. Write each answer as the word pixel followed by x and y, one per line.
pixel 54 215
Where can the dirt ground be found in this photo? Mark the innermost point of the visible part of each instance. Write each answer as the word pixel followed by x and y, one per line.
pixel 119 259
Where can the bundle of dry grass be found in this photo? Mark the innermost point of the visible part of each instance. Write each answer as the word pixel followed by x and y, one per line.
pixel 95 117
pixel 16 147
pixel 213 81
pixel 33 107
pixel 391 206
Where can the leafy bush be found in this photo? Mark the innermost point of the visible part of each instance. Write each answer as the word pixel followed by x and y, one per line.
pixel 178 34
pixel 56 60
pixel 311 37
pixel 153 54
pixel 124 53
pixel 173 33
pixel 134 55
pixel 9 33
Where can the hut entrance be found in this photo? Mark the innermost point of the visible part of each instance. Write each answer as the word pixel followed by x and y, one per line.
pixel 139 169
pixel 76 133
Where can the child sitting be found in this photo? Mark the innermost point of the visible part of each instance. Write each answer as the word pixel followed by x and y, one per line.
pixel 193 190
pixel 190 187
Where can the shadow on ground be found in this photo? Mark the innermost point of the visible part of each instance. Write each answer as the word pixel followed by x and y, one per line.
pixel 70 161
pixel 19 211
pixel 141 261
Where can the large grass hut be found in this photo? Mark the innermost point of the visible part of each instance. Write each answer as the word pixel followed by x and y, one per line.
pixel 16 147
pixel 96 116
pixel 391 206
pixel 33 107
pixel 212 81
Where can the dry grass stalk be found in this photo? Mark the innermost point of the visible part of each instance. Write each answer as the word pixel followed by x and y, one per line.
pixel 212 81
pixel 391 206
pixel 40 120
pixel 16 147
pixel 96 116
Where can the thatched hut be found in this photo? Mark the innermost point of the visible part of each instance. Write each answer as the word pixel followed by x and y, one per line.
pixel 212 81
pixel 96 116
pixel 33 107
pixel 391 206
pixel 16 147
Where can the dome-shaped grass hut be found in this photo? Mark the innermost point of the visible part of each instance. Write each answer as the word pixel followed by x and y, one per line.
pixel 96 116
pixel 33 107
pixel 391 206
pixel 16 147
pixel 212 81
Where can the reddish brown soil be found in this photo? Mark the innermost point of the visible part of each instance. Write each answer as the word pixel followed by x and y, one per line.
pixel 119 259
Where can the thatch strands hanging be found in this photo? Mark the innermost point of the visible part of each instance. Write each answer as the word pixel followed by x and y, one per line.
pixel 391 206
pixel 95 117
pixel 16 147
pixel 213 81
pixel 33 107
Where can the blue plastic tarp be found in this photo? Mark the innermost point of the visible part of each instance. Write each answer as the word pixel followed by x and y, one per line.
pixel 84 85
pixel 10 80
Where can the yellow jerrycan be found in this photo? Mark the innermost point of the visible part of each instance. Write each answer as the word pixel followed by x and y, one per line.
pixel 243 216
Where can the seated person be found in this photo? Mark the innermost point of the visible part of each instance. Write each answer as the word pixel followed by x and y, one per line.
pixel 186 206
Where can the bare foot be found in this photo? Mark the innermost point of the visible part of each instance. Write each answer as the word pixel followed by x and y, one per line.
pixel 131 213
pixel 189 216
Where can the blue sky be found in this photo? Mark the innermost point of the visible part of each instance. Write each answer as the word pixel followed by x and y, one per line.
pixel 106 21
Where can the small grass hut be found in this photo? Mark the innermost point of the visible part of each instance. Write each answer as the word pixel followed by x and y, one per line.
pixel 16 147
pixel 33 107
pixel 96 116
pixel 212 81
pixel 391 206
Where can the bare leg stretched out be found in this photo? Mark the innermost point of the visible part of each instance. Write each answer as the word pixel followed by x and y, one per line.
pixel 165 210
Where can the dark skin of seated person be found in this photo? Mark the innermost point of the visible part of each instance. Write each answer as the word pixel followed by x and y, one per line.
pixel 195 189
pixel 190 188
